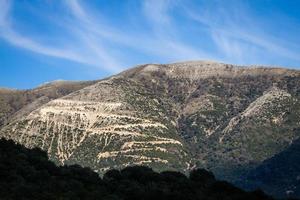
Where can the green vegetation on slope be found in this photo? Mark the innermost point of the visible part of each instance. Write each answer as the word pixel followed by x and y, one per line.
pixel 278 175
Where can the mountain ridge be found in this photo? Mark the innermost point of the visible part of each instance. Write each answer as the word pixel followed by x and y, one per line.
pixel 221 117
pixel 13 101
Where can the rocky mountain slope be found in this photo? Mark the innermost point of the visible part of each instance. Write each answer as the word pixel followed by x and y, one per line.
pixel 14 103
pixel 225 118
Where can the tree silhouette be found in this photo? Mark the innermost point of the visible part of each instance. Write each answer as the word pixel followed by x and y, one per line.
pixel 28 174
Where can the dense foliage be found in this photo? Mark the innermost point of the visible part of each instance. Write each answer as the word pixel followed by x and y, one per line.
pixel 278 175
pixel 28 174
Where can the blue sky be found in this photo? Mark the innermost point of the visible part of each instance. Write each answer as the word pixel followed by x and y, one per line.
pixel 82 40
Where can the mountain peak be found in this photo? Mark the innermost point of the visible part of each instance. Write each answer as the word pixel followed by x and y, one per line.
pixel 55 82
pixel 203 69
pixel 4 89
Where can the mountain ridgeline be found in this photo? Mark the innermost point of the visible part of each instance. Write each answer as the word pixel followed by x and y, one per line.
pixel 14 103
pixel 224 118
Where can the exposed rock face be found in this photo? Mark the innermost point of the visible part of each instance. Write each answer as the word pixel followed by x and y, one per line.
pixel 226 118
pixel 16 103
pixel 109 124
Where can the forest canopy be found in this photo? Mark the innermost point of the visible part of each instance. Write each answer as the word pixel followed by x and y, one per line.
pixel 28 174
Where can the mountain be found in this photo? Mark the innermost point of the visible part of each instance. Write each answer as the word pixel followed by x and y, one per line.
pixel 14 103
pixel 225 118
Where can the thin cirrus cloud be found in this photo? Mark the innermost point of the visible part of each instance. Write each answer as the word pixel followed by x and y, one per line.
pixel 156 30
pixel 90 53
pixel 167 32
pixel 241 35
pixel 156 41
pixel 93 38
pixel 12 36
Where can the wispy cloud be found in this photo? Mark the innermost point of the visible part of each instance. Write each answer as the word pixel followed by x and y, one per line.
pixel 238 33
pixel 167 33
pixel 91 33
pixel 8 33
pixel 89 52
pixel 160 41
pixel 158 31
pixel 5 5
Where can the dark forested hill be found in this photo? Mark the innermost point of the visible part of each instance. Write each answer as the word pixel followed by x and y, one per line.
pixel 279 175
pixel 28 174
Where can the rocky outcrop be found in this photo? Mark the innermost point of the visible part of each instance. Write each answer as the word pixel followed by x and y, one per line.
pixel 17 103
pixel 99 126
